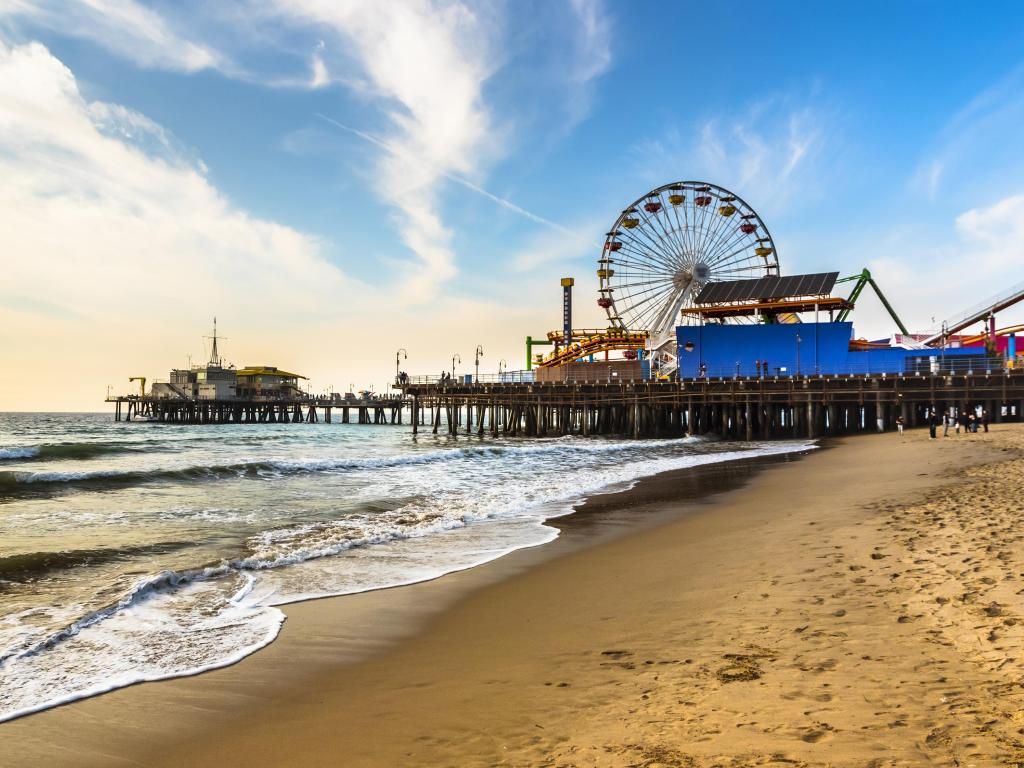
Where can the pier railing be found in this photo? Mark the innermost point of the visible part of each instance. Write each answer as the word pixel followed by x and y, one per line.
pixel 508 377
pixel 923 366
pixel 595 373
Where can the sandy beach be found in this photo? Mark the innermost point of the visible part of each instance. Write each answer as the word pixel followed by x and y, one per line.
pixel 858 606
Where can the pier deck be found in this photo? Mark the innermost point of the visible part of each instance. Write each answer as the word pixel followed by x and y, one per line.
pixel 383 410
pixel 741 407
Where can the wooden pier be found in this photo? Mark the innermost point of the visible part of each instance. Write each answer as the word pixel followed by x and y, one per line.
pixel 744 408
pixel 383 410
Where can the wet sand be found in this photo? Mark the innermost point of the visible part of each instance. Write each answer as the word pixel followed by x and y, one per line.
pixel 859 607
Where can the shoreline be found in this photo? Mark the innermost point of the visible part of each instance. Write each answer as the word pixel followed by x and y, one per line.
pixel 257 697
pixel 703 479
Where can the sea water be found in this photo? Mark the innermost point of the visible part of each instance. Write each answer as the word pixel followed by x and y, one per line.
pixel 134 551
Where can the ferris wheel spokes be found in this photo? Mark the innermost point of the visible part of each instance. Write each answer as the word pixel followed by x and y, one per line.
pixel 671 242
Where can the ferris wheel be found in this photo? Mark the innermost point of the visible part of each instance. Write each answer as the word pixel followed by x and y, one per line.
pixel 667 245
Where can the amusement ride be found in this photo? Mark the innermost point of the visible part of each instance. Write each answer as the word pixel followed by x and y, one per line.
pixel 657 257
pixel 692 252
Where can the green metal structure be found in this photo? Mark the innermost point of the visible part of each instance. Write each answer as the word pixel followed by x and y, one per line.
pixel 864 278
pixel 530 344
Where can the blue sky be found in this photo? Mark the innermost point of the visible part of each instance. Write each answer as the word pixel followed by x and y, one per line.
pixel 165 161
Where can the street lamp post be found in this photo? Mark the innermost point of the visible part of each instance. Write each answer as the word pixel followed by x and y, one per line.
pixel 476 362
pixel 400 354
pixel 454 358
pixel 798 340
pixel 502 366
pixel 942 367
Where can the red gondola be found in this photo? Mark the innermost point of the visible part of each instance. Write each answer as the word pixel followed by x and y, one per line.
pixel 652 207
pixel 604 302
pixel 703 201
pixel 748 229
pixel 613 245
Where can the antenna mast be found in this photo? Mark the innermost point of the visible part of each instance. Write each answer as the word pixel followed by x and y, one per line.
pixel 215 359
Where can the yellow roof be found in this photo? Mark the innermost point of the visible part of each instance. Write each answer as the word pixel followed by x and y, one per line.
pixel 262 370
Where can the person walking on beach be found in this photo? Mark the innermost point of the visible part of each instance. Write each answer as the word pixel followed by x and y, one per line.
pixel 933 423
pixel 984 420
pixel 899 424
pixel 972 423
pixel 946 418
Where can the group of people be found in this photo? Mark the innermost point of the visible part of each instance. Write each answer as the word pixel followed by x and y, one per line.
pixel 445 377
pixel 403 377
pixel 969 422
pixel 761 365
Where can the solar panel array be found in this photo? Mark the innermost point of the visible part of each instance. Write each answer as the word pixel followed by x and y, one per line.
pixel 763 288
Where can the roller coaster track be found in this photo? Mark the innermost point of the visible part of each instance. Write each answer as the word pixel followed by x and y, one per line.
pixel 977 313
pixel 596 344
pixel 978 338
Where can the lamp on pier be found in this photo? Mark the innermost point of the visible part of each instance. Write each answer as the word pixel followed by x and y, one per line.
pixel 401 354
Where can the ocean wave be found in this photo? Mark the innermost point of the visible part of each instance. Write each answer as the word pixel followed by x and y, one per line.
pixel 95 449
pixel 68 451
pixel 142 590
pixel 23 452
pixel 129 658
pixel 13 479
pixel 29 565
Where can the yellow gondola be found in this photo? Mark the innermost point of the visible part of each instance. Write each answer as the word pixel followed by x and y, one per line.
pixel 630 223
pixel 727 210
pixel 604 274
pixel 677 199
pixel 763 251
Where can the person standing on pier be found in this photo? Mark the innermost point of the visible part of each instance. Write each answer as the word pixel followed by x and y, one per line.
pixel 757 363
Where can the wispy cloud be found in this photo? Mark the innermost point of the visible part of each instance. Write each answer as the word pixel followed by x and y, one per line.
pixel 125 27
pixel 425 65
pixel 594 52
pixel 769 153
pixel 503 202
pixel 979 144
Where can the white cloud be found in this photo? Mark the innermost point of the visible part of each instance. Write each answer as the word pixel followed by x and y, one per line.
pixel 117 250
pixel 995 237
pixel 938 273
pixel 107 247
pixel 124 27
pixel 422 64
pixel 425 65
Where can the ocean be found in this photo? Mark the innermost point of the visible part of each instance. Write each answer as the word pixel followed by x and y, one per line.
pixel 139 551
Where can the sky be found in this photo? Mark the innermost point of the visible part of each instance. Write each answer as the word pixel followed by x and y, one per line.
pixel 335 180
